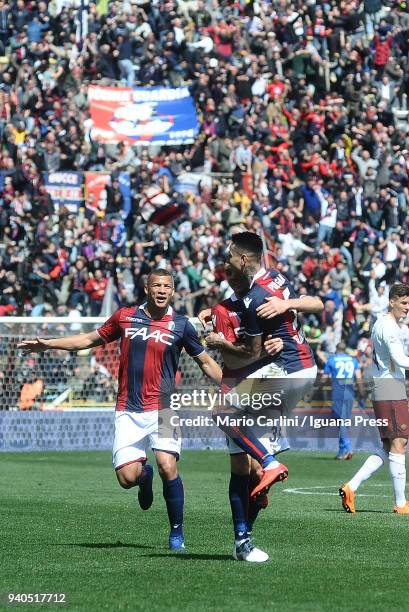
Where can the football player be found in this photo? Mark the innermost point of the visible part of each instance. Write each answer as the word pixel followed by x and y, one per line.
pixel 390 403
pixel 152 337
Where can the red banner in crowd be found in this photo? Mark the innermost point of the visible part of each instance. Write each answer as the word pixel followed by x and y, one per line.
pixel 95 194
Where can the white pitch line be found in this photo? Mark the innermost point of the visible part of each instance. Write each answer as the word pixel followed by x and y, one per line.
pixel 309 491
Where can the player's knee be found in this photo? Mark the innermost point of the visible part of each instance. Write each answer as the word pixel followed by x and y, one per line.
pixel 399 445
pixel 167 469
pixel 124 481
pixel 127 476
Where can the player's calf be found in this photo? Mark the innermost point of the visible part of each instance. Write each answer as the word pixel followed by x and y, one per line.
pixel 135 474
pixel 260 501
pixel 173 494
pixel 145 493
pixel 239 501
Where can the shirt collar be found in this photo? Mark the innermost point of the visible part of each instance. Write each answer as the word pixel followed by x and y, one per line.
pixel 168 313
pixel 258 275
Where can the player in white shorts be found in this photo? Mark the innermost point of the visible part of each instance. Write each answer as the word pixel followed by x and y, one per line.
pixel 225 318
pixel 138 432
pixel 152 338
pixel 296 360
pixel 390 403
pixel 245 469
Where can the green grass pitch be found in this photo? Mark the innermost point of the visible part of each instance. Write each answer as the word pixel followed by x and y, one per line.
pixel 67 527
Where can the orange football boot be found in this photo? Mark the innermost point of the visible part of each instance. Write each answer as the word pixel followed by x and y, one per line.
pixel 402 510
pixel 269 478
pixel 348 498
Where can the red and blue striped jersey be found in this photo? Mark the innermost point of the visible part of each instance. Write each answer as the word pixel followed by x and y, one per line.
pixel 296 354
pixel 226 319
pixel 150 351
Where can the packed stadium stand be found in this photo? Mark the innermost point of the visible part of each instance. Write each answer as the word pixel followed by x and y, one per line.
pixel 298 131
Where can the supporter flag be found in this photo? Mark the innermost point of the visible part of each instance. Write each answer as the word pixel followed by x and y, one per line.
pixel 143 115
pixel 158 208
pixel 95 194
pixel 65 189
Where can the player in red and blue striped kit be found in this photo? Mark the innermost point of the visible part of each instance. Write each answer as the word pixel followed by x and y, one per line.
pixel 152 337
pixel 245 471
pixel 150 351
pixel 296 354
pixel 229 318
pixel 268 312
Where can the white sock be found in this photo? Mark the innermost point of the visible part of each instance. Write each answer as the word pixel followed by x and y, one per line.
pixel 397 469
pixel 373 463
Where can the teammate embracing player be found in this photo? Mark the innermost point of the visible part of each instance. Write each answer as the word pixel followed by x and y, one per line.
pixel 226 321
pixel 389 403
pixel 261 329
pixel 152 337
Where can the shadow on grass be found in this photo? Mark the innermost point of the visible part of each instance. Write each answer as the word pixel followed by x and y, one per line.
pixel 104 545
pixel 185 556
pixel 328 459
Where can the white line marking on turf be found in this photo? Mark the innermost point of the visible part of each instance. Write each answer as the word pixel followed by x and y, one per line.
pixel 310 491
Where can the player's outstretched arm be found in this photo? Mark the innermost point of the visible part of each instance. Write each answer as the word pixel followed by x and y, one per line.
pixel 67 343
pixel 274 306
pixel 209 367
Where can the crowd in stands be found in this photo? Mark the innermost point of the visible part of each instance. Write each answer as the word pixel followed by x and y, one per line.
pixel 304 139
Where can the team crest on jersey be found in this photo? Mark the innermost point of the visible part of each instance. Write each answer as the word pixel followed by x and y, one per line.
pixel 157 335
pixel 171 325
pixel 247 302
